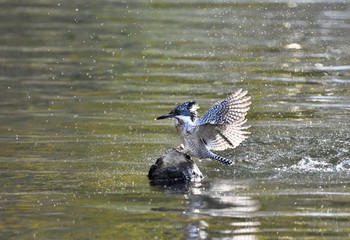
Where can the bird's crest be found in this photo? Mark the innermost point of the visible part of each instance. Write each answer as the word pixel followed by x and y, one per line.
pixel 187 109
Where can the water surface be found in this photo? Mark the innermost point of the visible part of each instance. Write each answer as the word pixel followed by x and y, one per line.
pixel 82 82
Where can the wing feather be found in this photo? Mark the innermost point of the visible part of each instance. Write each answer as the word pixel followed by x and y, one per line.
pixel 221 137
pixel 222 126
pixel 230 110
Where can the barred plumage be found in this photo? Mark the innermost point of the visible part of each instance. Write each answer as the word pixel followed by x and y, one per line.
pixel 221 160
pixel 221 127
pixel 227 111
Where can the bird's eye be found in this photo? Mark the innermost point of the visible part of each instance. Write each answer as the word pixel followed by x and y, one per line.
pixel 176 112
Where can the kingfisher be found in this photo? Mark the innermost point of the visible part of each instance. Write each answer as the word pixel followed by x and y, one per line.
pixel 221 127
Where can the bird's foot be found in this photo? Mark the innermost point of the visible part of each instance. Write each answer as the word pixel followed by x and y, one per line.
pixel 181 148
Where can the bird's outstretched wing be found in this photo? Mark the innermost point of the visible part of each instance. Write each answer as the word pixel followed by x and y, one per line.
pixel 221 127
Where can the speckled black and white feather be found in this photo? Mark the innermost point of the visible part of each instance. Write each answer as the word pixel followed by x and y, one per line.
pixel 221 127
pixel 231 110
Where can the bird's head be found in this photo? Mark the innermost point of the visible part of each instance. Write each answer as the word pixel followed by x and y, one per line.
pixel 187 109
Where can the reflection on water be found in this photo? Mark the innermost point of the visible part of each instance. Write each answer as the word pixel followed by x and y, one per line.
pixel 82 82
pixel 217 199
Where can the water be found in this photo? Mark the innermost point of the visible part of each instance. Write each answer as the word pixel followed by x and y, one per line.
pixel 82 82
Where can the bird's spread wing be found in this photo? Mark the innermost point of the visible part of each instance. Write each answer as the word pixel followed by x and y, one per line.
pixel 222 126
pixel 227 111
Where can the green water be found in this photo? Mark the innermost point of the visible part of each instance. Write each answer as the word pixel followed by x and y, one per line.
pixel 81 84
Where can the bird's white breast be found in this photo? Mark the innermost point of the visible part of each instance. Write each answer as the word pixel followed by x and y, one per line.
pixel 184 123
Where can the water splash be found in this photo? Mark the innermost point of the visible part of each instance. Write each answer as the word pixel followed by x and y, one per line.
pixel 308 164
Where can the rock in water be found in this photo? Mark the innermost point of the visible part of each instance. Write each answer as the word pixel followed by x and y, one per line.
pixel 174 167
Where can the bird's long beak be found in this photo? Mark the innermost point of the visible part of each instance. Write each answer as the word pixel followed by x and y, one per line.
pixel 168 115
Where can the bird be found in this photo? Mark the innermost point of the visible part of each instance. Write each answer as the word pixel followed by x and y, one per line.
pixel 221 127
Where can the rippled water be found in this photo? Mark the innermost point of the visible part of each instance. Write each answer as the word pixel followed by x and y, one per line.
pixel 82 82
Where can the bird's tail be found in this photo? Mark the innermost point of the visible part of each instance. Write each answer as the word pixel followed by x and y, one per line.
pixel 220 159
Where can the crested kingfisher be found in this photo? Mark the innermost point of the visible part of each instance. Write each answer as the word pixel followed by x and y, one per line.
pixel 221 127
